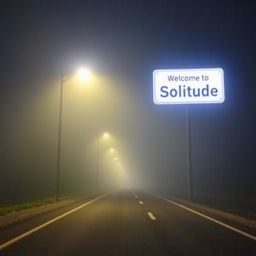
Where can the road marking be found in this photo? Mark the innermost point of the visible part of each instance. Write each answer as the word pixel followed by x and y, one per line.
pixel 209 218
pixel 33 230
pixel 151 216
pixel 141 202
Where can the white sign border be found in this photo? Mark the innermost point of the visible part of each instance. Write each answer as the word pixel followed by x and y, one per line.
pixel 191 102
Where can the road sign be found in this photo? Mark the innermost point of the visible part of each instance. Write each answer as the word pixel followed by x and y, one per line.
pixel 188 86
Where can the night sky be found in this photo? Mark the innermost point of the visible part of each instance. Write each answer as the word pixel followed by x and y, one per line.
pixel 125 41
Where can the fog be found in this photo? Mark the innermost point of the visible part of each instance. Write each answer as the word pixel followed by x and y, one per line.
pixel 150 140
pixel 141 140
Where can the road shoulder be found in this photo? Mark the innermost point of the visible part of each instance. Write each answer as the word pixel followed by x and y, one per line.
pixel 238 222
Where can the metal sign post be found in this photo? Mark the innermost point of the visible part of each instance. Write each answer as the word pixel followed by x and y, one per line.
pixel 188 86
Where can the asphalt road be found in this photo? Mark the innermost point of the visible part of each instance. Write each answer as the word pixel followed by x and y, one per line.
pixel 129 223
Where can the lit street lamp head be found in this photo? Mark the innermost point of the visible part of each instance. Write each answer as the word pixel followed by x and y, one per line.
pixel 106 135
pixel 84 75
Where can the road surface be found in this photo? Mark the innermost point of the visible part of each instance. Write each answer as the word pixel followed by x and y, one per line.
pixel 126 223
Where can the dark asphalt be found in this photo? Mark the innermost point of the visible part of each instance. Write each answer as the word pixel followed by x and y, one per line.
pixel 119 225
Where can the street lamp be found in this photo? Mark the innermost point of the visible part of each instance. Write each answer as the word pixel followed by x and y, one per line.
pixel 111 150
pixel 110 162
pixel 84 75
pixel 105 136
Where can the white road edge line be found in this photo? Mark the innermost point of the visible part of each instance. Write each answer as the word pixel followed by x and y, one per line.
pixel 151 216
pixel 141 202
pixel 33 230
pixel 209 218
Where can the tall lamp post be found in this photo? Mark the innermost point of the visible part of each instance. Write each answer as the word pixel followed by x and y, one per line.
pixel 84 75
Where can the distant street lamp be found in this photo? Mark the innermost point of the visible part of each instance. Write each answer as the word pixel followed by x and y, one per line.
pixel 84 75
pixel 110 166
pixel 105 136
pixel 112 150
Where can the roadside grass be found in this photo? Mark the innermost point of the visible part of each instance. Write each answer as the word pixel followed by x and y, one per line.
pixel 6 209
